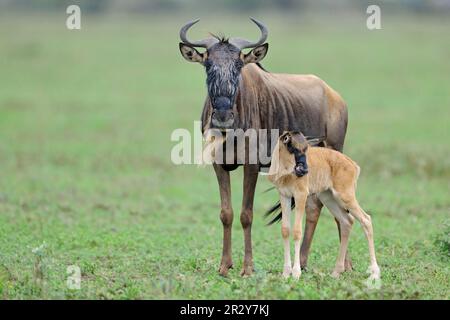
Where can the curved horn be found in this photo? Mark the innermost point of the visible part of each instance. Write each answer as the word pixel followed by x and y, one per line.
pixel 243 43
pixel 205 43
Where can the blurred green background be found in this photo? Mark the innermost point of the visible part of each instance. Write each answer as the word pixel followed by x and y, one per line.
pixel 86 177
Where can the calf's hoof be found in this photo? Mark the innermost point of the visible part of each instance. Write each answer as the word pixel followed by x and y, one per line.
pixel 348 264
pixel 374 273
pixel 337 272
pixel 296 273
pixel 287 270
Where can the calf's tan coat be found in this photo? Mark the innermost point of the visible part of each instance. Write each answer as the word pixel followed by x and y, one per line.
pixel 332 176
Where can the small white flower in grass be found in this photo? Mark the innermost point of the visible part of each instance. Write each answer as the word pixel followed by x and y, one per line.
pixel 40 249
pixel 73 281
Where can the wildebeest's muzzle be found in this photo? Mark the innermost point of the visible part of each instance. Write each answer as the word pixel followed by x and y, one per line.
pixel 222 116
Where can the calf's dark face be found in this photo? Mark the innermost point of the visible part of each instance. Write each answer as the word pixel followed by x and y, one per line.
pixel 297 145
pixel 223 64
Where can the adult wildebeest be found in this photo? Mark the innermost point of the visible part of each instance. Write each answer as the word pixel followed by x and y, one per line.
pixel 241 94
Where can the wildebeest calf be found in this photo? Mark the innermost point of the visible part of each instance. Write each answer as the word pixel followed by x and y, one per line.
pixel 298 171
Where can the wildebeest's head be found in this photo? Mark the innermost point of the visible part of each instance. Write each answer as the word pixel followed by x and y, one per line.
pixel 223 61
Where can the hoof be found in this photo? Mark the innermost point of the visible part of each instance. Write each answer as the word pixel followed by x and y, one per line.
pixel 296 273
pixel 287 270
pixel 374 273
pixel 338 270
pixel 247 271
pixel 348 265
pixel 374 277
pixel 373 282
pixel 223 270
pixel 335 274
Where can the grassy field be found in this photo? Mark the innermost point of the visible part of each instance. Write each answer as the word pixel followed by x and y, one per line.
pixel 86 177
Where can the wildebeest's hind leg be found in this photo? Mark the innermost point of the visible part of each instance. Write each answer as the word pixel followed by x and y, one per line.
pixel 226 216
pixel 250 179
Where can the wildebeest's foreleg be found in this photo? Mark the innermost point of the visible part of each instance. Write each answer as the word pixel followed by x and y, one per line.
pixel 226 216
pixel 250 179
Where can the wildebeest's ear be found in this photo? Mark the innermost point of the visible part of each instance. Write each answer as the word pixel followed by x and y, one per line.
pixel 257 54
pixel 191 54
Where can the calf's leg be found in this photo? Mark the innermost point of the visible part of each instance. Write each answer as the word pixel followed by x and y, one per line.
pixel 313 208
pixel 285 231
pixel 347 261
pixel 366 223
pixel 300 201
pixel 345 222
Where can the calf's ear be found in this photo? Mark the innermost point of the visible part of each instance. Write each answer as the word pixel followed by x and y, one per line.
pixel 191 54
pixel 281 164
pixel 256 55
pixel 314 141
pixel 285 137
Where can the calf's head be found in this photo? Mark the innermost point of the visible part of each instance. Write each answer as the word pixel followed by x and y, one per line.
pixel 223 61
pixel 296 144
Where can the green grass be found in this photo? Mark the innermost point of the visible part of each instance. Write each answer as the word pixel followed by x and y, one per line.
pixel 85 123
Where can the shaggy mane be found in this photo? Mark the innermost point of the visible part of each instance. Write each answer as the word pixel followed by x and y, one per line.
pixel 221 38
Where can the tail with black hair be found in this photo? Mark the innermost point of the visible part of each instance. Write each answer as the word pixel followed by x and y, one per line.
pixel 276 208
